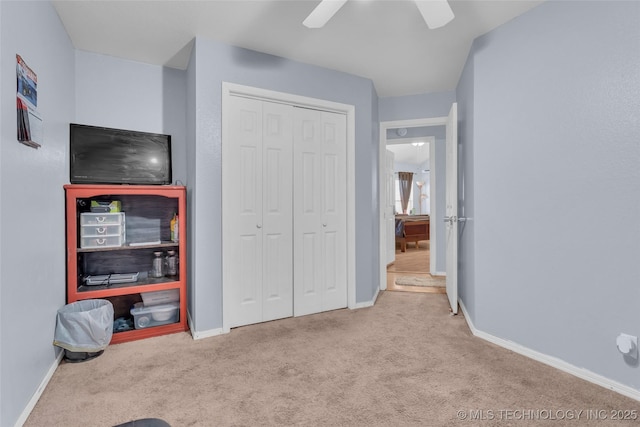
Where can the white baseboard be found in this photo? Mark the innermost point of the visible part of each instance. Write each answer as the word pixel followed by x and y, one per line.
pixel 552 361
pixel 198 335
pixel 36 396
pixel 440 273
pixel 367 303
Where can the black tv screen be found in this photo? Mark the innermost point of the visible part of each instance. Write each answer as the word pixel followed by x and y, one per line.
pixel 100 155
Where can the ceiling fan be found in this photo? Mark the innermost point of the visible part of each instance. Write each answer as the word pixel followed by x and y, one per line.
pixel 436 13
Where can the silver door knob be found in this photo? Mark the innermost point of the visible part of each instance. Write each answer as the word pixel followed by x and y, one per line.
pixel 258 226
pixel 324 224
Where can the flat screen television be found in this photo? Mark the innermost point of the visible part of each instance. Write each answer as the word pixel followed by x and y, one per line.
pixel 100 155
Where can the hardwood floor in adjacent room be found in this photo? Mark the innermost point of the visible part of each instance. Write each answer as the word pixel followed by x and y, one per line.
pixel 414 262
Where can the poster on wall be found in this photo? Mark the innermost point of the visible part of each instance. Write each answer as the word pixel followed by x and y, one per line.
pixel 29 120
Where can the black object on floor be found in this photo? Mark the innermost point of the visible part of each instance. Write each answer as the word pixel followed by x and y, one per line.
pixel 145 422
pixel 80 356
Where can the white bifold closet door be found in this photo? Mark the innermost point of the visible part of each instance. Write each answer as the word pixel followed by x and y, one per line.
pixel 284 211
pixel 320 222
pixel 258 265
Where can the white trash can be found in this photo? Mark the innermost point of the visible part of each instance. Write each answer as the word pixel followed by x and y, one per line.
pixel 84 329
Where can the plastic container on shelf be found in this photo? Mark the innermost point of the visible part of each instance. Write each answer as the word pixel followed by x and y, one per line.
pixel 175 228
pixel 156 315
pixel 160 297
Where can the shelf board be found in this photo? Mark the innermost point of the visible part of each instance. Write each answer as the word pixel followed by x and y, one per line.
pixel 128 248
pixel 88 292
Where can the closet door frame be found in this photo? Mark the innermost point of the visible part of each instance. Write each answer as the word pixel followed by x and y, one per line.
pixel 232 89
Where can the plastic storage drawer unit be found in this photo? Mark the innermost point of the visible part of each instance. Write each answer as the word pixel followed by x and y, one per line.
pixel 163 314
pixel 102 230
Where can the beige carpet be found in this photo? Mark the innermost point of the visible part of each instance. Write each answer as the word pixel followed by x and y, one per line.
pixel 421 281
pixel 403 362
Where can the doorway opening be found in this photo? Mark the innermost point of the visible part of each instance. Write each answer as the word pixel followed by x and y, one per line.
pixel 418 263
pixel 408 168
pixel 410 272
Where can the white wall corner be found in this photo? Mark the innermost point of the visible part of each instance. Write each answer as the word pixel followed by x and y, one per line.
pixel 198 335
pixel 366 304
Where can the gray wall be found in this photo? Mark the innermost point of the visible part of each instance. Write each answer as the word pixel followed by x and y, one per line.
pixel 1 138
pixel 550 141
pixel 213 63
pixel 466 186
pixel 124 94
pixel 190 138
pixel 427 105
pixel 32 265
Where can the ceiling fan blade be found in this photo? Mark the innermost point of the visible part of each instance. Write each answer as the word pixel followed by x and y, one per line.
pixel 436 13
pixel 322 13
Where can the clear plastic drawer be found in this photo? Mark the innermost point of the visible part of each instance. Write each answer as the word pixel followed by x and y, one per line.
pixel 101 230
pixel 101 241
pixel 101 218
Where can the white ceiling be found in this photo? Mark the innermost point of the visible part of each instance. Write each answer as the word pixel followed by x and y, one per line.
pixel 406 153
pixel 386 41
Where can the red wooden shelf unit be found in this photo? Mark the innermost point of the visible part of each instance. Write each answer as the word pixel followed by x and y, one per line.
pixel 123 248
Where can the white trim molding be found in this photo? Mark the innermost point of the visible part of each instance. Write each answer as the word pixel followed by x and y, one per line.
pixel 198 335
pixel 554 362
pixel 370 303
pixel 36 396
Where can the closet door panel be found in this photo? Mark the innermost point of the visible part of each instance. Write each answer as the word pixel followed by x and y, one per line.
pixel 334 208
pixel 277 216
pixel 307 229
pixel 309 275
pixel 331 280
pixel 310 201
pixel 243 203
pixel 249 293
pixel 320 269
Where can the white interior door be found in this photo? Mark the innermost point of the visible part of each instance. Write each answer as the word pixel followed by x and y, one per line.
pixel 243 204
pixel 390 198
pixel 451 217
pixel 277 211
pixel 320 240
pixel 257 212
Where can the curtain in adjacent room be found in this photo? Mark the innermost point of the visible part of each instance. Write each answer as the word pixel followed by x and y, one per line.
pixel 405 179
